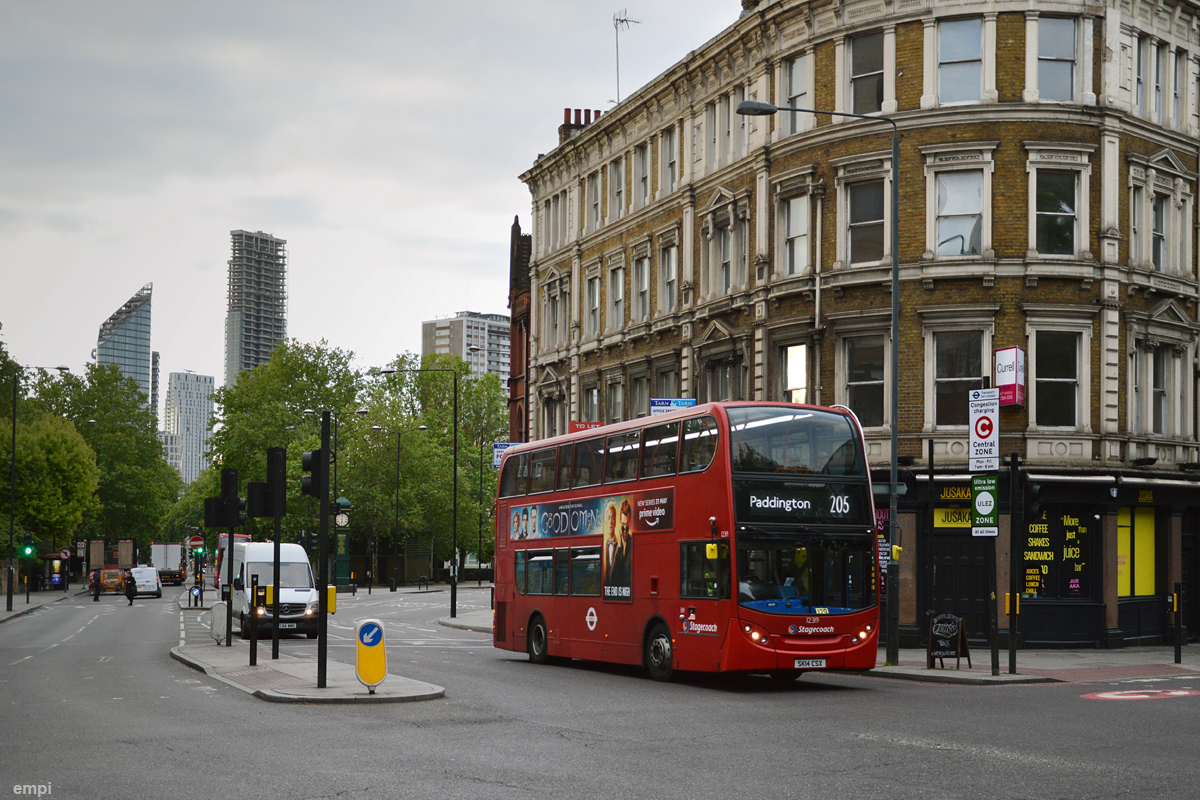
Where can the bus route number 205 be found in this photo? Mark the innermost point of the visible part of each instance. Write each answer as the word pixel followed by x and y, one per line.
pixel 839 504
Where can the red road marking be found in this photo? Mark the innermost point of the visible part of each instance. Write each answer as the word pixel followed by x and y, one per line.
pixel 1141 694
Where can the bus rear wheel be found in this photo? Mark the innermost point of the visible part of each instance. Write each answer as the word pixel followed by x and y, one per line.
pixel 538 639
pixel 659 655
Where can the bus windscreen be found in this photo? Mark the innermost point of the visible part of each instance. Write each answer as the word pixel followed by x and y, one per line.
pixel 805 575
pixel 792 441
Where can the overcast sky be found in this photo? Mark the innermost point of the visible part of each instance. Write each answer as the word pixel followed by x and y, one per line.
pixel 382 140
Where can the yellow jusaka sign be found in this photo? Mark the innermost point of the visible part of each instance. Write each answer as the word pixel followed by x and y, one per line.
pixel 370 663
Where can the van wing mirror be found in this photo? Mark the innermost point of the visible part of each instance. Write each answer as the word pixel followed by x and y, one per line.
pixel 237 583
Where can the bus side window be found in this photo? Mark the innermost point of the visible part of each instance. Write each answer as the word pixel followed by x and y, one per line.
pixel 514 475
pixel 540 570
pixel 621 460
pixel 542 471
pixel 660 450
pixel 562 574
pixel 519 571
pixel 701 577
pixel 699 444
pixel 585 571
pixel 565 460
pixel 589 463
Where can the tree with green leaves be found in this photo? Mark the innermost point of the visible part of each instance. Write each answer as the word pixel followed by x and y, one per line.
pixel 136 486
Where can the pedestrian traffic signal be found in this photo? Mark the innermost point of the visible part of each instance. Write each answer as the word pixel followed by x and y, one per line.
pixel 314 463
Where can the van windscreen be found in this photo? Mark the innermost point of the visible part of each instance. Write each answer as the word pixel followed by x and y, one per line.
pixel 292 574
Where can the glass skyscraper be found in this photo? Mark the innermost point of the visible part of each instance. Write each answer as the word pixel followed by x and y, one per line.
pixel 125 340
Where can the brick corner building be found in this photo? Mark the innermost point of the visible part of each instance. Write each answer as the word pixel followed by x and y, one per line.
pixel 1048 171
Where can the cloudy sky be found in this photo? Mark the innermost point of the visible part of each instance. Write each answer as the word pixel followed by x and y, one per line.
pixel 382 140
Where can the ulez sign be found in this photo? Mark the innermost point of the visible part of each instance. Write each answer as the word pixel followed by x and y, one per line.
pixel 985 511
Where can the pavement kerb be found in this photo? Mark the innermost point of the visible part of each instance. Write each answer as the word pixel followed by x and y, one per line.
pixel 961 677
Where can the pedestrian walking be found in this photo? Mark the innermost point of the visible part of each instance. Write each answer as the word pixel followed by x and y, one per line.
pixel 96 586
pixel 130 586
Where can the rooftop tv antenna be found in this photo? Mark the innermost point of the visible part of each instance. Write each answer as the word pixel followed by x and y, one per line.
pixel 621 19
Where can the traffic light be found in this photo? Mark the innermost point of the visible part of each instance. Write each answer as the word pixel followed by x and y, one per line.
pixel 233 507
pixel 1035 500
pixel 27 548
pixel 372 544
pixel 314 463
pixel 258 500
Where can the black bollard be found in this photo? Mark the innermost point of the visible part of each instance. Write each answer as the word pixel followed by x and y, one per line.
pixel 253 620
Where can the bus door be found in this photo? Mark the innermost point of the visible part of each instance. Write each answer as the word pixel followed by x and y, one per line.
pixel 503 580
pixel 704 612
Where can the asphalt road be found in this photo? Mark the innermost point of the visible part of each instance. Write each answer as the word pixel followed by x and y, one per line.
pixel 95 707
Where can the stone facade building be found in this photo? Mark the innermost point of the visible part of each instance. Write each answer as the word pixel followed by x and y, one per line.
pixel 1048 173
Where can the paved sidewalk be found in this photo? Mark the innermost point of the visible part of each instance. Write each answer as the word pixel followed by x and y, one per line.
pixel 1048 666
pixel 1033 666
pixel 291 679
pixel 39 599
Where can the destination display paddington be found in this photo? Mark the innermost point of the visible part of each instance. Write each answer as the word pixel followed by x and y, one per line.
pixel 791 501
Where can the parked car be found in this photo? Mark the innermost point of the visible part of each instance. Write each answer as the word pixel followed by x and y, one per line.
pixel 147 581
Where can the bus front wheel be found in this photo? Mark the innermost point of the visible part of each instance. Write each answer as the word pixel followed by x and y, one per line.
pixel 659 654
pixel 538 641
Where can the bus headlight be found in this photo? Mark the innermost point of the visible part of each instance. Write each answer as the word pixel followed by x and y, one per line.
pixel 756 633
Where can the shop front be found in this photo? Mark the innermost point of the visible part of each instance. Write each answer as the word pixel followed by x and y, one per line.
pixel 1097 558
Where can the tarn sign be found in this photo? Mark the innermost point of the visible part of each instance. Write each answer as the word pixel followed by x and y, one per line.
pixel 985 511
pixel 665 405
pixel 983 454
pixel 498 449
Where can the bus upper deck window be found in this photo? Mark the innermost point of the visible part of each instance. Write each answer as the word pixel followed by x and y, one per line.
pixel 515 475
pixel 660 450
pixel 699 444
pixel 542 471
pixel 589 463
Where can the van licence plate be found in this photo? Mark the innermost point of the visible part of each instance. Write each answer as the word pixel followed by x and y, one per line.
pixel 810 663
pixel 283 625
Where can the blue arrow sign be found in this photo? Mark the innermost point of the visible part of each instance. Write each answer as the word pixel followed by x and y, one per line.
pixel 370 634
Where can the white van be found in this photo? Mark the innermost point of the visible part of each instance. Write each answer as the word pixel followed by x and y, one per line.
pixel 298 598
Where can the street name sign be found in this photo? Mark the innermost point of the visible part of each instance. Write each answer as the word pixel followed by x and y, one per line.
pixel 983 448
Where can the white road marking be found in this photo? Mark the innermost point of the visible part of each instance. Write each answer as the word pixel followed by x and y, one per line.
pixel 19 660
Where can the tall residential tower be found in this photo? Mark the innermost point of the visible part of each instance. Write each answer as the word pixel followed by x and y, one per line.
pixel 189 409
pixel 482 340
pixel 256 319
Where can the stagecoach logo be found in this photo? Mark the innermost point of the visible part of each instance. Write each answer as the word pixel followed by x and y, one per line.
pixel 795 629
pixel 691 626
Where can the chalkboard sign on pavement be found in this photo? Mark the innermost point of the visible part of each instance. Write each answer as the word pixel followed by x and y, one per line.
pixel 947 639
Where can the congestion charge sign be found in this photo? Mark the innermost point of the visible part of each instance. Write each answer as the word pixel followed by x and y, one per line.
pixel 983 454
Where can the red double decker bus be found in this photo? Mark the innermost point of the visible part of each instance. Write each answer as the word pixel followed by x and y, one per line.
pixel 728 537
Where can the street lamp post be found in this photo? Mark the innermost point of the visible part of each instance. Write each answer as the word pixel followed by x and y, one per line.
pixel 454 481
pixel 336 415
pixel 396 524
pixel 758 109
pixel 479 546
